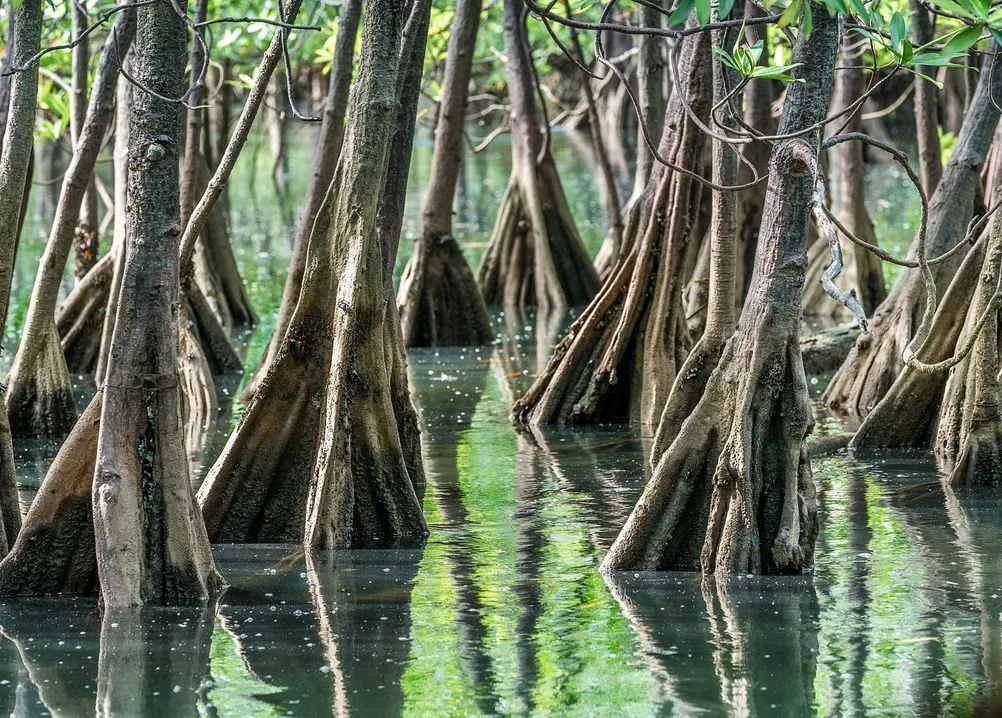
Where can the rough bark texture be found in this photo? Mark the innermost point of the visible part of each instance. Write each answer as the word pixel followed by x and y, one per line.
pixel 439 301
pixel 721 252
pixel 620 357
pixel 875 360
pixel 825 351
pixel 151 543
pixel 40 397
pixel 535 256
pixel 257 489
pixel 862 271
pixel 54 553
pixel 368 478
pixel 15 164
pixel 734 493
pixel 905 417
pixel 328 151
pixel 980 440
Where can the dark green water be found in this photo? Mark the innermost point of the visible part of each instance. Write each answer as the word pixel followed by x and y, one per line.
pixel 503 610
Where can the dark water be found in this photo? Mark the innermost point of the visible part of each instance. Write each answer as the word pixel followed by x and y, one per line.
pixel 502 610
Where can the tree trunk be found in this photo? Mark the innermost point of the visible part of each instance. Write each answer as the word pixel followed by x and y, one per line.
pixel 733 493
pixel 862 271
pixel 151 544
pixel 439 300
pixel 80 319
pixel 123 113
pixel 979 459
pixel 15 162
pixel 86 233
pixel 905 417
pixel 328 151
pixel 633 333
pixel 40 397
pixel 695 371
pixel 257 489
pixel 875 360
pixel 535 256
pixel 650 89
pixel 926 105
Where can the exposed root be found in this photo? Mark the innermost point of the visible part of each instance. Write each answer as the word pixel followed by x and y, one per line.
pixel 40 396
pixel 439 302
pixel 55 553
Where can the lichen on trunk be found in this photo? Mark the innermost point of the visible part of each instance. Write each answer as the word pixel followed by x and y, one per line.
pixel 733 493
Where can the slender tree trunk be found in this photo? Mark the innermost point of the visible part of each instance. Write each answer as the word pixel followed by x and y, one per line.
pixel 633 333
pixel 123 113
pixel 439 301
pixel 328 151
pixel 650 89
pixel 151 543
pixel 875 360
pixel 758 114
pixel 87 231
pixel 926 105
pixel 15 161
pixel 535 256
pixel 862 271
pixel 40 397
pixel 733 493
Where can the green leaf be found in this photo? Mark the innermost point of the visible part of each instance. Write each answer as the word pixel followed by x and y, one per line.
pixel 725 58
pixel 777 72
pixel 681 13
pixel 756 51
pixel 952 7
pixel 703 12
pixel 724 8
pixel 790 15
pixel 15 4
pixel 962 41
pixel 808 20
pixel 907 53
pixel 898 31
pixel 996 34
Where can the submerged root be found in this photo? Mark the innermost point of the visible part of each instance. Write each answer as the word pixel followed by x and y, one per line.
pixel 39 395
pixel 439 302
pixel 199 403
pixel 55 551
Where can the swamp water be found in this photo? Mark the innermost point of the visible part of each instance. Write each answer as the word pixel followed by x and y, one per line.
pixel 502 610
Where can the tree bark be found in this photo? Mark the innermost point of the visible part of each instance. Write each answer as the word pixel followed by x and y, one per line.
pixel 926 105
pixel 733 493
pixel 633 334
pixel 257 489
pixel 535 256
pixel 439 301
pixel 151 543
pixel 875 361
pixel 40 397
pixel 862 271
pixel 328 151
pixel 87 231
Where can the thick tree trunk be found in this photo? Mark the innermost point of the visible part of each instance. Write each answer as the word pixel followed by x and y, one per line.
pixel 151 543
pixel 875 360
pixel 979 459
pixel 328 151
pixel 439 301
pixel 40 397
pixel 80 319
pixel 862 271
pixel 535 256
pixel 257 489
pixel 733 493
pixel 695 371
pixel 926 105
pixel 620 357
